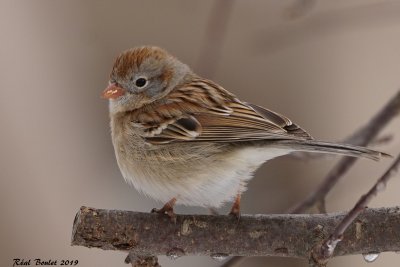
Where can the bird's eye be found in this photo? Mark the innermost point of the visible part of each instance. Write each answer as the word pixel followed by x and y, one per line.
pixel 141 82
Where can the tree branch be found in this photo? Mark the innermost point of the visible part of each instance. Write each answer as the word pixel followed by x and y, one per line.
pixel 361 138
pixel 258 235
pixel 322 252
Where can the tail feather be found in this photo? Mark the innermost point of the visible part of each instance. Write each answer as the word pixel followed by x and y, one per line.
pixel 333 148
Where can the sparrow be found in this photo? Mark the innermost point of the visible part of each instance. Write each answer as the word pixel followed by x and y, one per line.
pixel 180 138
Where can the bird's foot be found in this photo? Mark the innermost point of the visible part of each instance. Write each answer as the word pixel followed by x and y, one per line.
pixel 235 210
pixel 235 214
pixel 167 209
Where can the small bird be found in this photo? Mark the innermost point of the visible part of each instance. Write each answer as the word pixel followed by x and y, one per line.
pixel 181 138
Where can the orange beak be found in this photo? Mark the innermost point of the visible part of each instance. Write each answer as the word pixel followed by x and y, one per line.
pixel 113 92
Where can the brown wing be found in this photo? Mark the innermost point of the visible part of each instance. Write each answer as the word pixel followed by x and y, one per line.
pixel 203 111
pixel 282 121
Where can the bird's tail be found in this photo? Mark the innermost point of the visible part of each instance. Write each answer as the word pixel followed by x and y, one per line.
pixel 333 148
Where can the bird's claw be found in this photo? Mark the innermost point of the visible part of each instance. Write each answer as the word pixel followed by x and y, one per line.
pixel 167 209
pixel 235 214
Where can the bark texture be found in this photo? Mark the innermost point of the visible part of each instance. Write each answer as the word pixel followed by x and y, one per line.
pixel 288 235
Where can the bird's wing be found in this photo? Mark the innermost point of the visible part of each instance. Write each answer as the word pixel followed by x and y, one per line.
pixel 203 111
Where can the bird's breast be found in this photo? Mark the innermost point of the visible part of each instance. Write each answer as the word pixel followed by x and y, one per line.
pixel 200 174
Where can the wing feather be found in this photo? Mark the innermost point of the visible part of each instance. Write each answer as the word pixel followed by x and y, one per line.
pixel 202 111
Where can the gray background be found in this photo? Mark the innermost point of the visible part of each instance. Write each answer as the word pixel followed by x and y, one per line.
pixel 329 70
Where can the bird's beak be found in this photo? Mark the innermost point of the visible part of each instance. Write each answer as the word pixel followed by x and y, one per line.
pixel 113 91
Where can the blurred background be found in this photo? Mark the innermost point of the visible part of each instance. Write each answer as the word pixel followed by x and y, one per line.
pixel 328 65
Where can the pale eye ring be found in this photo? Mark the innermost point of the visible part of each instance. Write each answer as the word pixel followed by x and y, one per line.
pixel 141 82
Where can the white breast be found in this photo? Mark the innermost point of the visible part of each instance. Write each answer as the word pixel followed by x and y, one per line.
pixel 207 182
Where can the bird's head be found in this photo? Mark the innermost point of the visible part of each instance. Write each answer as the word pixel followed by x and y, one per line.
pixel 141 76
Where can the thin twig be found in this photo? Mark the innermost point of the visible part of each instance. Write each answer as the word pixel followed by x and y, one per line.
pixel 361 137
pixel 210 52
pixel 321 253
pixel 382 140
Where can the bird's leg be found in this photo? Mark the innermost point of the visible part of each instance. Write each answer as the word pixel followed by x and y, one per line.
pixel 235 210
pixel 167 209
